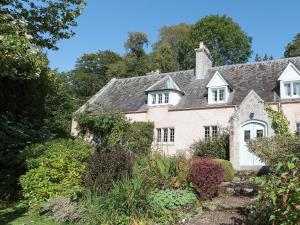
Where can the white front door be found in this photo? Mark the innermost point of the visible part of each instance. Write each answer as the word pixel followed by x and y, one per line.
pixel 250 131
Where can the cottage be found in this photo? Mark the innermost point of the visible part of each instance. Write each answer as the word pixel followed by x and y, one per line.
pixel 188 105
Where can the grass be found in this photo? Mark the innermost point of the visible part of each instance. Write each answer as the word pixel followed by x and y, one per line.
pixel 16 215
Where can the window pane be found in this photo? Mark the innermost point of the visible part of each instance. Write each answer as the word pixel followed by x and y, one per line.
pixel 158 135
pixel 296 88
pixel 166 97
pixel 214 131
pixel 298 128
pixel 287 89
pixel 246 135
pixel 165 134
pixel 221 94
pixel 214 95
pixel 153 98
pixel 206 132
pixel 259 133
pixel 159 98
pixel 172 135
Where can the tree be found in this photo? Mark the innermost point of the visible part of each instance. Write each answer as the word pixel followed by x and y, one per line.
pixel 166 49
pixel 135 43
pixel 136 62
pixel 164 58
pixel 130 66
pixel 90 73
pixel 228 43
pixel 18 58
pixel 172 35
pixel 293 48
pixel 46 21
pixel 258 58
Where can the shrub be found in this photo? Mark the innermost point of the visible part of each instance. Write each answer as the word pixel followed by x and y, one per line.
pixel 206 176
pixel 112 131
pixel 157 170
pixel 172 199
pixel 104 168
pixel 183 169
pixel 229 171
pixel 102 126
pixel 274 149
pixel 217 147
pixel 126 202
pixel 279 201
pixel 64 210
pixel 57 171
pixel 141 137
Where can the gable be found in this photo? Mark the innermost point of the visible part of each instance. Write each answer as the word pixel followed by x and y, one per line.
pixel 217 80
pixel 166 83
pixel 290 73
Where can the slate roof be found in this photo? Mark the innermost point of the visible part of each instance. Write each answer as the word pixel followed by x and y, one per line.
pixel 128 94
pixel 166 83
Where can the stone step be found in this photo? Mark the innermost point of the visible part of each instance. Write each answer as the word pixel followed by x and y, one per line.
pixel 239 188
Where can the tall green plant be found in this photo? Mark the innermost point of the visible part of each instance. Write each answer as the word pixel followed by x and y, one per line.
pixel 279 201
pixel 280 123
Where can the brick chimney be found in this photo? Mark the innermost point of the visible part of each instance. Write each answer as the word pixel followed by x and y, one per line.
pixel 203 61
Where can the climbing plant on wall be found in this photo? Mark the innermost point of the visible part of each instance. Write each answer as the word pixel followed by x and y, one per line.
pixel 280 123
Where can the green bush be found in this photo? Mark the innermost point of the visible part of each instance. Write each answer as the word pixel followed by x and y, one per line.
pixel 55 167
pixel 112 131
pixel 183 169
pixel 274 149
pixel 63 210
pixel 229 171
pixel 126 202
pixel 279 201
pixel 217 147
pixel 104 168
pixel 173 199
pixel 140 137
pixel 157 170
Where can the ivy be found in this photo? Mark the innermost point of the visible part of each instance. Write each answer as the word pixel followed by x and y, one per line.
pixel 111 131
pixel 280 123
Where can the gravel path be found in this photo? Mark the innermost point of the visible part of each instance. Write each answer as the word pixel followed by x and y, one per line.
pixel 224 211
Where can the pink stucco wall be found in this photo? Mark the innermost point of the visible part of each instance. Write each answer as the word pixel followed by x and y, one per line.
pixel 188 124
pixel 292 112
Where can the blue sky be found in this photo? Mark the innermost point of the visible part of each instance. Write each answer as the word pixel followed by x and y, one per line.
pixel 105 24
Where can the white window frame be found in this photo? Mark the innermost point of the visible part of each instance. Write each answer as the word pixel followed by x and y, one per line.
pixel 215 94
pixel 165 135
pixel 166 97
pixel 211 132
pixel 160 98
pixel 292 85
pixel 172 135
pixel 158 139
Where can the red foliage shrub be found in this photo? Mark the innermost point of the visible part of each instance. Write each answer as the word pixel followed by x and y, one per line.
pixel 104 168
pixel 206 176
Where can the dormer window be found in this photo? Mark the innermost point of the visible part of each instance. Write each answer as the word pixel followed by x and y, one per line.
pixel 290 82
pixel 164 92
pixel 218 95
pixel 292 89
pixel 218 90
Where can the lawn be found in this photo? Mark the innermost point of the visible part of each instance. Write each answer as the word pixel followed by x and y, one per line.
pixel 13 215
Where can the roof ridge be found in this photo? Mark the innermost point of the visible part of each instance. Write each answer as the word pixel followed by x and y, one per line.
pixel 254 63
pixel 155 74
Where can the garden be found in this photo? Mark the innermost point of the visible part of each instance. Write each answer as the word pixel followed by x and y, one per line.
pixel 120 180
